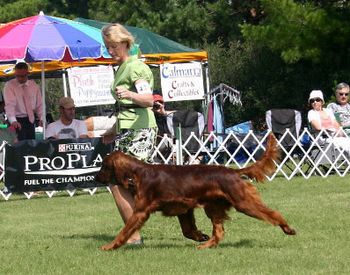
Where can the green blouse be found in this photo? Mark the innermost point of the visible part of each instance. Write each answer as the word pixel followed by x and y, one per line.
pixel 127 74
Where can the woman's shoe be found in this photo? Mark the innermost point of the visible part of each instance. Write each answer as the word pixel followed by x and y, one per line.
pixel 136 242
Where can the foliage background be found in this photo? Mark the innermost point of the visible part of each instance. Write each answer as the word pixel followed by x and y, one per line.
pixel 273 51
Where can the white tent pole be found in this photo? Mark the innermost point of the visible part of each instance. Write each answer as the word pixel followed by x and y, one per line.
pixel 207 81
pixel 207 86
pixel 43 92
pixel 64 83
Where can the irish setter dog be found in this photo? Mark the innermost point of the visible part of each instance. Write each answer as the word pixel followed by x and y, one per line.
pixel 177 190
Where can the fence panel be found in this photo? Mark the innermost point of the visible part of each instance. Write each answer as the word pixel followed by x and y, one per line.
pixel 322 154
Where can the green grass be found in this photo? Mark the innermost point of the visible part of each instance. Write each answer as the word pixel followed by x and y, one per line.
pixel 62 235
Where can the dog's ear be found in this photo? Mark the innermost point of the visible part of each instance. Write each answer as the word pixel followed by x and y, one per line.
pixel 118 171
pixel 121 171
pixel 108 163
pixel 114 166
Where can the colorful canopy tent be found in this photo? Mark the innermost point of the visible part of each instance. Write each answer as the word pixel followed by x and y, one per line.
pixel 155 49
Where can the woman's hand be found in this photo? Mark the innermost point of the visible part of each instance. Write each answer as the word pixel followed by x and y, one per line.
pixel 108 137
pixel 123 93
pixel 144 100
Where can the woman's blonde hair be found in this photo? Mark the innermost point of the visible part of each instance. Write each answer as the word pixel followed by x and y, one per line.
pixel 117 33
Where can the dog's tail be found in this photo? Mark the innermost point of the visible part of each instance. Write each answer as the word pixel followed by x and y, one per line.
pixel 264 166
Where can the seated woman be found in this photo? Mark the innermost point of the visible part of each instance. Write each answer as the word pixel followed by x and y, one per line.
pixel 318 117
pixel 322 119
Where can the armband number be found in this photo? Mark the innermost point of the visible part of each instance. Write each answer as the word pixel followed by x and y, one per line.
pixel 143 87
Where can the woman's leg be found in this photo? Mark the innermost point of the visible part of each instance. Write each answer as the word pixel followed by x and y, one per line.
pixel 140 144
pixel 125 203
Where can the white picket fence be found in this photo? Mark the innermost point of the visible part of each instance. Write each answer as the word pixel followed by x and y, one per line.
pixel 321 156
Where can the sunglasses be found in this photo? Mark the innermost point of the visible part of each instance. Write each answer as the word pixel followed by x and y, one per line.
pixel 315 100
pixel 69 109
pixel 343 94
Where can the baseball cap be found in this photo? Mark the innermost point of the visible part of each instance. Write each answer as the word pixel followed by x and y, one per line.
pixel 66 102
pixel 158 98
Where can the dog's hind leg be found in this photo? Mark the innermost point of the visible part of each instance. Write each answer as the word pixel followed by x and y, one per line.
pixel 135 222
pixel 252 205
pixel 218 235
pixel 189 228
pixel 216 211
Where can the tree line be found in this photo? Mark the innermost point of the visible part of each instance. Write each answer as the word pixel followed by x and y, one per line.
pixel 273 51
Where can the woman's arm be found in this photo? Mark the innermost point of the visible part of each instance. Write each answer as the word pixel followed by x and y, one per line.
pixel 315 124
pixel 142 99
pixel 314 120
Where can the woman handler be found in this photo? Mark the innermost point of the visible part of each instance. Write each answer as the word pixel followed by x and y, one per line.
pixel 132 89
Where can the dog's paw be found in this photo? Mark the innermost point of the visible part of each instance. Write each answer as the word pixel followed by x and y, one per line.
pixel 197 236
pixel 203 237
pixel 208 244
pixel 289 231
pixel 108 246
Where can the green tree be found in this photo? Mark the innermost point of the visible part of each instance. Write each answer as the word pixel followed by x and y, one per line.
pixel 303 30
pixel 264 79
pixel 311 37
pixel 12 10
pixel 68 8
pixel 191 22
pixel 184 21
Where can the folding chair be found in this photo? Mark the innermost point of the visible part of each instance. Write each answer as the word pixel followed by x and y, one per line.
pixel 241 146
pixel 286 126
pixel 191 125
pixel 319 155
pixel 279 120
pixel 165 147
pixel 326 155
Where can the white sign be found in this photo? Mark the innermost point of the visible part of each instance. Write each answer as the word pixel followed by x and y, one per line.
pixel 182 81
pixel 91 86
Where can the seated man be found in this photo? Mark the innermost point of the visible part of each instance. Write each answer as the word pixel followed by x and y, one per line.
pixel 161 115
pixel 341 108
pixel 66 126
pixel 189 121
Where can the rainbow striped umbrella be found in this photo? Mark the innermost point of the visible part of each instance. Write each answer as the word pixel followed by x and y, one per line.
pixel 44 38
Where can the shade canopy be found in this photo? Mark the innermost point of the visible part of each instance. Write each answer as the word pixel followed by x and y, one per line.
pixel 149 42
pixel 48 38
pixel 64 43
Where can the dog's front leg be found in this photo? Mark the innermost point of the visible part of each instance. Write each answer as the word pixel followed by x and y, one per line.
pixel 135 222
pixel 189 228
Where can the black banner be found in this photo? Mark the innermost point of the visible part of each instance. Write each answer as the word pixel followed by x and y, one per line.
pixel 33 165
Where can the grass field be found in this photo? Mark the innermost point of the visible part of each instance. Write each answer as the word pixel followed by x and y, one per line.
pixel 62 235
